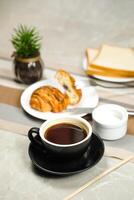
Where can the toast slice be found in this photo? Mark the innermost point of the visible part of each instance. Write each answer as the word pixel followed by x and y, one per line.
pixel 116 58
pixel 108 61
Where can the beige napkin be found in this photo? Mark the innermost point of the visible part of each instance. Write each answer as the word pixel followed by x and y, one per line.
pixel 118 153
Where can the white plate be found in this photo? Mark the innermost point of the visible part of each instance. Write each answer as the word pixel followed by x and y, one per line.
pixel 116 80
pixel 109 79
pixel 88 101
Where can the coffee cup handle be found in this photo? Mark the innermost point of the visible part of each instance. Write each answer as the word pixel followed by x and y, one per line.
pixel 37 144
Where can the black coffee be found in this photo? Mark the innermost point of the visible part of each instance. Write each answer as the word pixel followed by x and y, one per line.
pixel 65 134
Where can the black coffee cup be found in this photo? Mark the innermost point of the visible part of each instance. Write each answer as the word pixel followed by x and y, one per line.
pixel 59 128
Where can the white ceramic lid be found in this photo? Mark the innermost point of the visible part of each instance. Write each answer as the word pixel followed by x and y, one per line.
pixel 110 115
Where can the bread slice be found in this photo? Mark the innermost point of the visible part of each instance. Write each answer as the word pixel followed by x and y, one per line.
pixel 107 61
pixel 117 60
pixel 68 83
pixel 91 54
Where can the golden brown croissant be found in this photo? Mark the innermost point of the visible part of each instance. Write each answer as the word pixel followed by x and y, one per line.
pixel 68 82
pixel 48 98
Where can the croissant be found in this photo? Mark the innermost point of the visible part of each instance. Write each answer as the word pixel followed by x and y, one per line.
pixel 48 98
pixel 68 82
pixel 40 104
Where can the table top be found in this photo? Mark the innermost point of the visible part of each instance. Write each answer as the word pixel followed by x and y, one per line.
pixel 18 178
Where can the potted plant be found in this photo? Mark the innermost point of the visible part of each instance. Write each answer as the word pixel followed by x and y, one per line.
pixel 28 64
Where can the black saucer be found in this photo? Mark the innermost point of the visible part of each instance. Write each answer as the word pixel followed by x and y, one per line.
pixel 48 164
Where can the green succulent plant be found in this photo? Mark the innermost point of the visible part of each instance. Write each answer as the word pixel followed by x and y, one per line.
pixel 26 41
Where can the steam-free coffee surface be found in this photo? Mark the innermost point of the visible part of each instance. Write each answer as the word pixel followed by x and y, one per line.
pixel 65 134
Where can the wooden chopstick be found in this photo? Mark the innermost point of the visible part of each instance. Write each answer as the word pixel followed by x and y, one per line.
pixel 99 177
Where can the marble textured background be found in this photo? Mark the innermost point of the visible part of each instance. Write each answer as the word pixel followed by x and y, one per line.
pixel 68 27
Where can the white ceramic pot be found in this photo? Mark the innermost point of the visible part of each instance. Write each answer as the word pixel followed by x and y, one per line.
pixel 110 121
